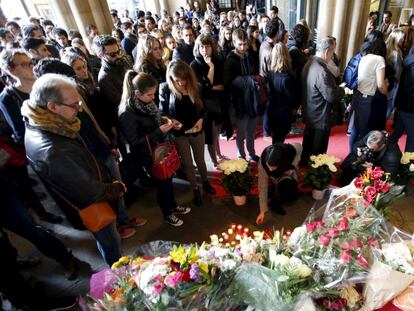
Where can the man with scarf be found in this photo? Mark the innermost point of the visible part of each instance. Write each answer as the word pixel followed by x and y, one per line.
pixel 277 177
pixel 61 158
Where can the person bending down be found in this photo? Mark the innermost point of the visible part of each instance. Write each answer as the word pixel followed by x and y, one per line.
pixel 278 177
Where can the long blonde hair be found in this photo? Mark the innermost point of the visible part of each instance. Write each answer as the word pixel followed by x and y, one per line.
pixel 395 42
pixel 144 52
pixel 179 69
pixel 281 60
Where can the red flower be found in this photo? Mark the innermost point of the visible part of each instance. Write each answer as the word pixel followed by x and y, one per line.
pixel 345 256
pixel 370 193
pixel 372 242
pixel 381 186
pixel 359 183
pixel 186 276
pixel 310 227
pixel 377 173
pixel 356 243
pixel 346 246
pixel 333 232
pixel 362 261
pixel 343 224
pixel 324 240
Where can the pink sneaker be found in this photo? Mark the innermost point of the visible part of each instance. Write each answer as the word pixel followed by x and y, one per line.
pixel 126 232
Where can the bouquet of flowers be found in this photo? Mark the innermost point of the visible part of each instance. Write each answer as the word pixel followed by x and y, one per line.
pixel 237 179
pixel 322 169
pixel 406 171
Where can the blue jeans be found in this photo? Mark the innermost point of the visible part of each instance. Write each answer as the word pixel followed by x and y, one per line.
pixel 404 121
pixel 113 168
pixel 109 243
pixel 246 130
pixel 15 217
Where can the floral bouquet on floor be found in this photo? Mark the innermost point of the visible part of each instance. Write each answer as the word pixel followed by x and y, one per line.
pixel 237 179
pixel 376 188
pixel 319 177
pixel 406 171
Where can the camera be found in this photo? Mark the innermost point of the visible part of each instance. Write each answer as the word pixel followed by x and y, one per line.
pixel 366 155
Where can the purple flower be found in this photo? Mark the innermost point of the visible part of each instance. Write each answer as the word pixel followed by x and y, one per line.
pixel 195 274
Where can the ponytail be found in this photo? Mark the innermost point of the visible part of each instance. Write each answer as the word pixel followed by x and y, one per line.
pixel 127 90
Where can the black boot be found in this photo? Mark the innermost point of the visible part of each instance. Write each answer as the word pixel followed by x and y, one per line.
pixel 208 188
pixel 197 197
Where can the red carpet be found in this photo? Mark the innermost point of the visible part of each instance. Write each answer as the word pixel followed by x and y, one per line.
pixel 338 146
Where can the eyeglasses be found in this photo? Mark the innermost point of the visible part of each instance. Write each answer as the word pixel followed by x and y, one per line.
pixel 23 65
pixel 75 105
pixel 114 54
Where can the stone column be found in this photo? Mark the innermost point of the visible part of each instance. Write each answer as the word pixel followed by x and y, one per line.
pixel 101 15
pixel 82 14
pixel 63 13
pixel 325 19
pixel 340 24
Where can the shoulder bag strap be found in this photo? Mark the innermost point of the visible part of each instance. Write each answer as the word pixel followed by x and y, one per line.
pixel 149 145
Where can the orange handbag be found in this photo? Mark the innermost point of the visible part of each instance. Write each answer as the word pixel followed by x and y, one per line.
pixel 97 216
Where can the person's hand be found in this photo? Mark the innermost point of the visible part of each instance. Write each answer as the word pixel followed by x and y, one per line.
pixel 198 126
pixel 121 194
pixel 115 153
pixel 359 152
pixel 289 172
pixel 260 218
pixel 165 119
pixel 165 128
pixel 368 165
pixel 176 124
pixel 208 61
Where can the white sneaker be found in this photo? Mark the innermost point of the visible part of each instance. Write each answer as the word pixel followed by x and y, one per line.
pixel 181 210
pixel 173 220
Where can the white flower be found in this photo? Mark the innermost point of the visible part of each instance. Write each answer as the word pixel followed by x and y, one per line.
pixel 348 91
pixel 281 260
pixel 303 270
pixel 325 159
pixel 230 166
pixel 228 264
pixel 411 168
pixel 407 157
pixel 296 236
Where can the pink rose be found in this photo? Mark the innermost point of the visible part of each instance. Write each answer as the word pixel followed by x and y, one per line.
pixel 370 194
pixel 343 224
pixel 324 240
pixel 346 246
pixel 377 173
pixel 372 242
pixel 158 285
pixel 359 183
pixel 173 279
pixel 381 186
pixel 310 227
pixel 333 232
pixel 345 256
pixel 356 243
pixel 362 261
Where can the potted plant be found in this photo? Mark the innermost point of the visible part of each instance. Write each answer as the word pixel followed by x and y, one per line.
pixel 320 175
pixel 237 179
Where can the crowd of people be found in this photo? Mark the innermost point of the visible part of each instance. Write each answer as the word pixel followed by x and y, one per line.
pixel 86 113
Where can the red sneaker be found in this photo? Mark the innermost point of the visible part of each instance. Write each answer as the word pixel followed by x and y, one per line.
pixel 135 222
pixel 126 232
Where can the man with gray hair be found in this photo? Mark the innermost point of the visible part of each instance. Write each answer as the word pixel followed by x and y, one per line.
pixel 375 149
pixel 61 158
pixel 321 98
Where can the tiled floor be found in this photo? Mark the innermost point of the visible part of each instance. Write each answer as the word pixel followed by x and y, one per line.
pixel 214 216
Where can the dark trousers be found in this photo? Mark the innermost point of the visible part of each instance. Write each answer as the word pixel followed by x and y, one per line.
pixel 315 141
pixel 285 191
pixel 16 218
pixel 404 121
pixel 165 196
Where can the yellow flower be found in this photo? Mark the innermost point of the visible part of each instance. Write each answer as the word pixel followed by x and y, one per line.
pixel 203 266
pixel 192 256
pixel 138 260
pixel 178 254
pixel 123 261
pixel 325 159
pixel 407 157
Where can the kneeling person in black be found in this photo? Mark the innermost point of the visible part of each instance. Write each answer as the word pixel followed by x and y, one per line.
pixel 278 169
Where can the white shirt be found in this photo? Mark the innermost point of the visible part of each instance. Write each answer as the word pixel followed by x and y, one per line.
pixel 367 73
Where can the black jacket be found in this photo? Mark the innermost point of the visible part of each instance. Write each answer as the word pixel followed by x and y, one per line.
pixel 388 159
pixel 67 165
pixel 173 107
pixel 245 96
pixel 404 100
pixel 135 126
pixel 234 66
pixel 184 52
pixel 201 70
pixel 111 80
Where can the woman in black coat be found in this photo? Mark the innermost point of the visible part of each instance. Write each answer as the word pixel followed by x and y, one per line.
pixel 282 93
pixel 208 69
pixel 143 128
